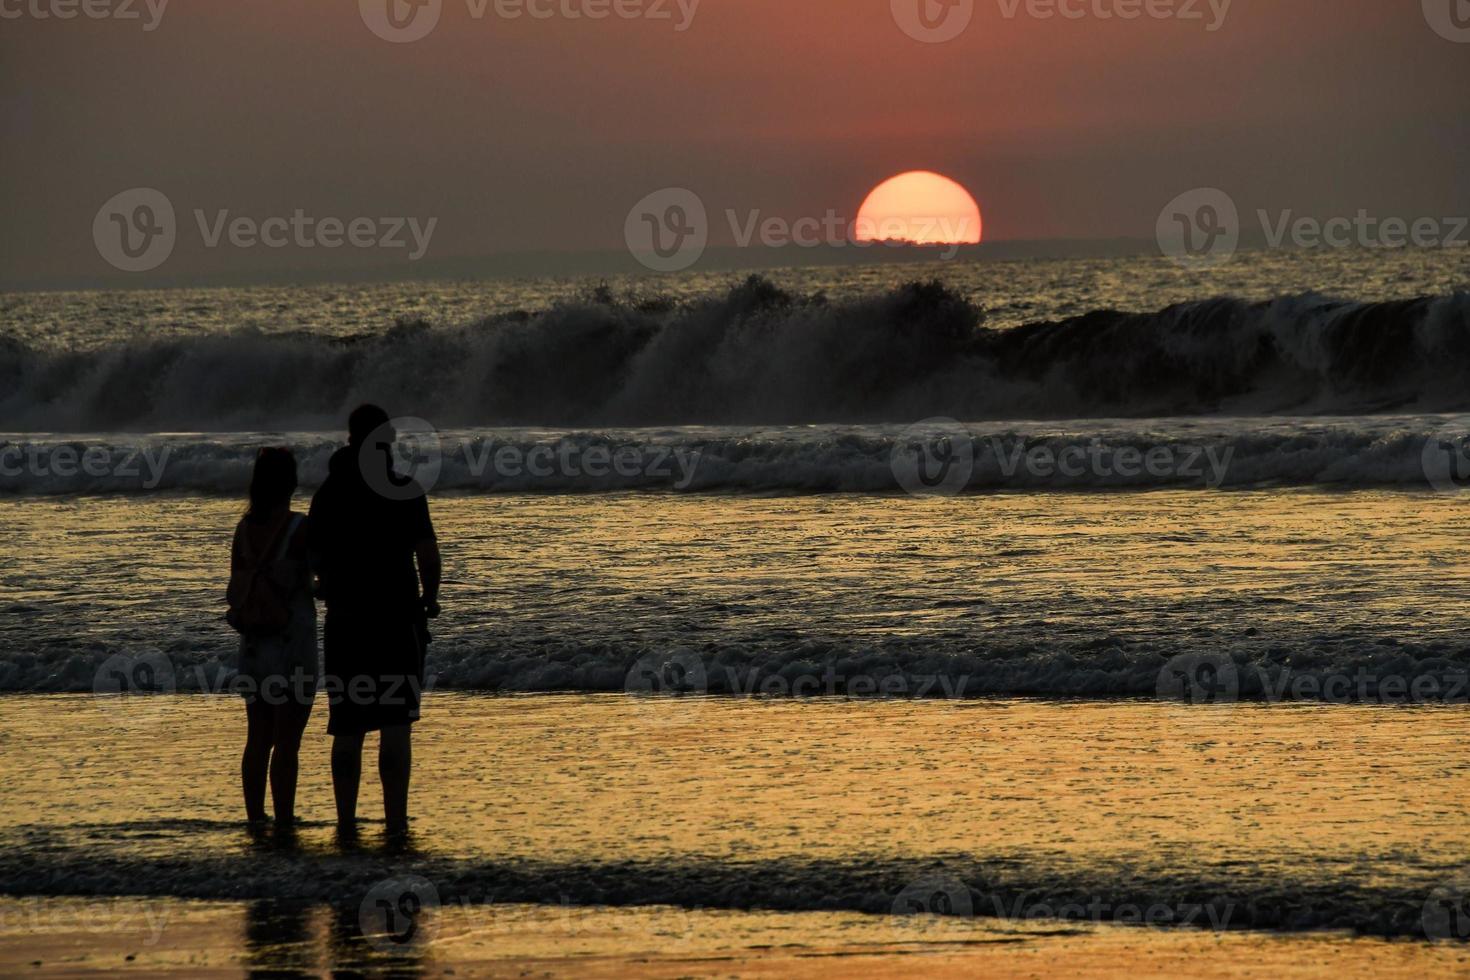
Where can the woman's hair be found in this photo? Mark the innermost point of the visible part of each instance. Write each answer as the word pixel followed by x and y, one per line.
pixel 272 482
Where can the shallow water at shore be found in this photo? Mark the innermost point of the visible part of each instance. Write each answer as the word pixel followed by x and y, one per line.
pixel 1060 594
pixel 1268 816
pixel 611 834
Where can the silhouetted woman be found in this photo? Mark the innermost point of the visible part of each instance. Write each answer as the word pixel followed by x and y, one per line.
pixel 271 605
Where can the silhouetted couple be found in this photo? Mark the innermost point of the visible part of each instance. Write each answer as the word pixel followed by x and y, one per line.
pixel 369 546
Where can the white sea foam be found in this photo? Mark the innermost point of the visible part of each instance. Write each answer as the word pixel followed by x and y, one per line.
pixel 1341 669
pixel 1183 453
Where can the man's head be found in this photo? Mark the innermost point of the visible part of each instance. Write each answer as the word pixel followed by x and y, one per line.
pixel 366 420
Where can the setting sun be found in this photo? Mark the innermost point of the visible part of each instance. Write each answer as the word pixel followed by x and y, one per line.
pixel 919 207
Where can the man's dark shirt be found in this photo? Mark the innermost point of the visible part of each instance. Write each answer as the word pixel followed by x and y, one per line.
pixel 362 541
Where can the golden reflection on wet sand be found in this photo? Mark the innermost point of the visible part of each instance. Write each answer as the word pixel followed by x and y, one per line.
pixel 151 937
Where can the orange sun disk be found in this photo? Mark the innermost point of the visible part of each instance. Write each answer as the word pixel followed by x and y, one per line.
pixel 921 208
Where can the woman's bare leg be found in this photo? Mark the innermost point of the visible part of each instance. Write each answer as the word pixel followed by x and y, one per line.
pixel 289 722
pixel 255 762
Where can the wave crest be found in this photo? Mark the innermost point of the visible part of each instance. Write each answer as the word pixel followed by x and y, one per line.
pixel 759 355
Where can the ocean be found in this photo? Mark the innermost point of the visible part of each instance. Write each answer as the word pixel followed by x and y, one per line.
pixel 1042 585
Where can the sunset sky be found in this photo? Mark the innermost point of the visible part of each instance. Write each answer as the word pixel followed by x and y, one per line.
pixel 536 135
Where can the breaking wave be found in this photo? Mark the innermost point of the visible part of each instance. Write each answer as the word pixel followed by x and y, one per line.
pixel 1346 668
pixel 759 355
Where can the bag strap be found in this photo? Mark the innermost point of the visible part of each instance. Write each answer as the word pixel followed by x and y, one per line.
pixel 276 535
pixel 287 533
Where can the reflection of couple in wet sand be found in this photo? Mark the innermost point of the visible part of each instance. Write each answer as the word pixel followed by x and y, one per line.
pixel 366 549
pixel 296 939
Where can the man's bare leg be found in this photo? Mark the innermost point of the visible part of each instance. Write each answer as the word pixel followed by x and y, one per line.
pixel 395 761
pixel 346 777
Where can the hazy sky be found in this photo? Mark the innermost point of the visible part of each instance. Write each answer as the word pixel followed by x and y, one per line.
pixel 539 134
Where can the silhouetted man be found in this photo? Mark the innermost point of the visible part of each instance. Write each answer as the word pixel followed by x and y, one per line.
pixel 368 525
